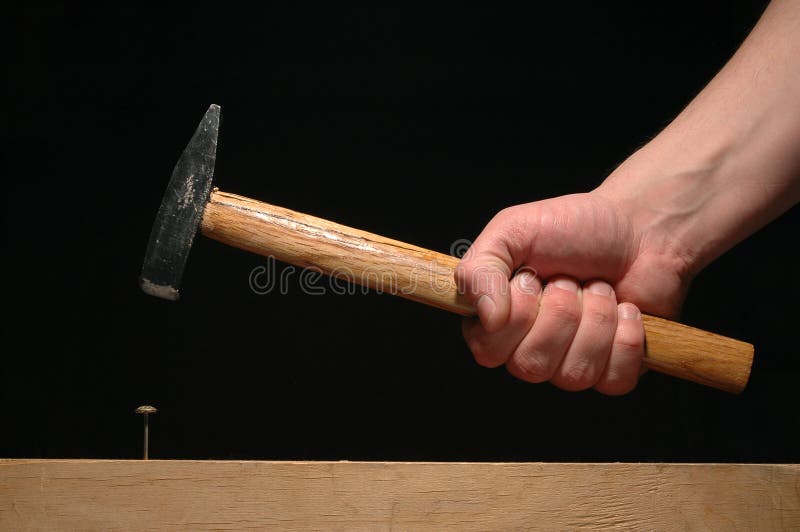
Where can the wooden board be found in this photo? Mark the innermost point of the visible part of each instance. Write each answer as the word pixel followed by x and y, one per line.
pixel 167 495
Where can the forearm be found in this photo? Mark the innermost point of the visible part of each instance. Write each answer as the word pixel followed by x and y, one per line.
pixel 730 162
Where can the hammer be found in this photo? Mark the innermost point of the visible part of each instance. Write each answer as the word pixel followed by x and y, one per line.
pixel 371 260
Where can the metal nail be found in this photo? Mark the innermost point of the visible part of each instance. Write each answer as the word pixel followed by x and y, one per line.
pixel 146 410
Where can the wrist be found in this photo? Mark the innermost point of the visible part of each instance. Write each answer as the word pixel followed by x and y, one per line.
pixel 728 164
pixel 669 197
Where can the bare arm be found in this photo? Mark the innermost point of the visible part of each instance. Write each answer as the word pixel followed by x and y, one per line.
pixel 730 162
pixel 727 165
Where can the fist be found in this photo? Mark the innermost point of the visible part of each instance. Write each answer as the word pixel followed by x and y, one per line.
pixel 557 286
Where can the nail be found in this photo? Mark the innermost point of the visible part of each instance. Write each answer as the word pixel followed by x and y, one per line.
pixel 486 308
pixel 628 311
pixel 565 283
pixel 601 288
pixel 146 410
pixel 529 283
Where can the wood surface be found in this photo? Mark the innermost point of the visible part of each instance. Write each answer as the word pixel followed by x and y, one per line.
pixel 426 276
pixel 230 495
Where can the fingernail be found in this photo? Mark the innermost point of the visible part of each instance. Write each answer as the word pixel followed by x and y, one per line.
pixel 528 283
pixel 600 288
pixel 628 311
pixel 485 309
pixel 565 284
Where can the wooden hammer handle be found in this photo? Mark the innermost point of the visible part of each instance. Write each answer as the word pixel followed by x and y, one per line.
pixel 427 277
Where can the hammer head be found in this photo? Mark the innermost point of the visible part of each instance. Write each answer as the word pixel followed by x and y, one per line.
pixel 181 211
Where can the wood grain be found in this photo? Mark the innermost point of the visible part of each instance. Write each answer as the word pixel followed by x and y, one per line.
pixel 349 254
pixel 426 276
pixel 201 495
pixel 697 355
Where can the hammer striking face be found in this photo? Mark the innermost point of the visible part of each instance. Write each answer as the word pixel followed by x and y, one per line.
pixel 371 260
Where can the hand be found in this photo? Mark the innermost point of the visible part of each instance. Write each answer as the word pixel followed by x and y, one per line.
pixel 584 329
pixel 726 166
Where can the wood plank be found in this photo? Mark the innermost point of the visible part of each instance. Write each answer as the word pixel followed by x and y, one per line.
pixel 167 495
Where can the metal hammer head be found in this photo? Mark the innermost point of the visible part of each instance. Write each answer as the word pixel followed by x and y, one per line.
pixel 181 211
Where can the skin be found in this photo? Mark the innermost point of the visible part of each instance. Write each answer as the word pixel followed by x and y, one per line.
pixel 726 166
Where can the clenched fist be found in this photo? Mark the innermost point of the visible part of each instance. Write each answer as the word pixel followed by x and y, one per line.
pixel 558 285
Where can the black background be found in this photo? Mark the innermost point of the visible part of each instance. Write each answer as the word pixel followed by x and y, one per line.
pixel 417 123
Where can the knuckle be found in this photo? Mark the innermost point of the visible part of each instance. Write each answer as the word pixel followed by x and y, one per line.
pixel 629 339
pixel 532 368
pixel 499 220
pixel 489 362
pixel 483 353
pixel 505 214
pixel 601 318
pixel 564 309
pixel 579 376
pixel 617 384
pixel 509 226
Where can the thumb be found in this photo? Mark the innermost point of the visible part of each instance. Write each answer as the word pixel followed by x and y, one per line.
pixel 483 274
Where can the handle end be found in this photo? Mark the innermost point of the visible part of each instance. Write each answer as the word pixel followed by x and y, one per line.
pixel 696 355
